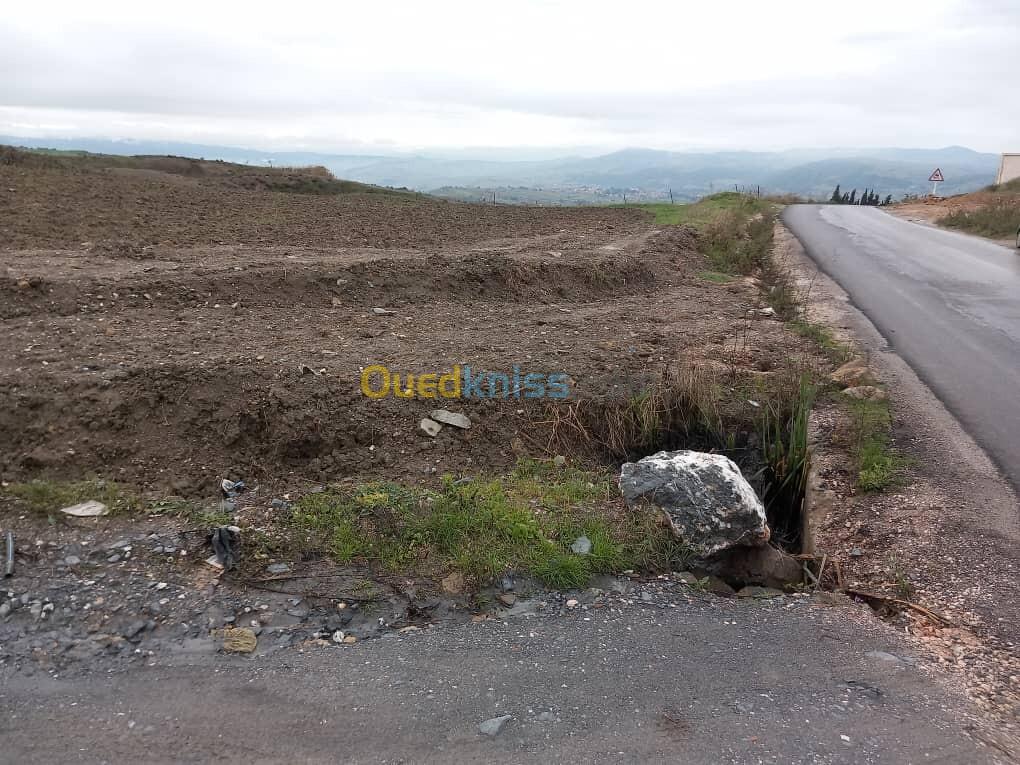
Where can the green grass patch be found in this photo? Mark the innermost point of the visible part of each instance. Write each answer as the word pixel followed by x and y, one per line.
pixel 525 521
pixel 716 277
pixel 705 211
pixel 46 497
pixel 822 336
pixel 878 466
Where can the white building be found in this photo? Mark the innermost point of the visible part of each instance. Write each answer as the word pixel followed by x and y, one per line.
pixel 1009 168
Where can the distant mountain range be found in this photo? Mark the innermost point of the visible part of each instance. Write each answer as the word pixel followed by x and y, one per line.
pixel 639 173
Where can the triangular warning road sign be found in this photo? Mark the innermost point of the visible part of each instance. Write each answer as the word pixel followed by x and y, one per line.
pixel 936 177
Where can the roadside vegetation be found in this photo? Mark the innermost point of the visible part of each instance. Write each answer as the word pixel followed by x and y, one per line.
pixel 486 527
pixel 998 218
pixel 877 463
pixel 46 497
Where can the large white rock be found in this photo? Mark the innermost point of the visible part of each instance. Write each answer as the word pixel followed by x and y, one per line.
pixel 708 502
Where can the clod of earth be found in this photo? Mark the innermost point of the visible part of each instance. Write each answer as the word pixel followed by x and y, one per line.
pixel 90 509
pixel 709 503
pixel 852 373
pixel 453 584
pixel 238 639
pixel 764 565
pixel 446 417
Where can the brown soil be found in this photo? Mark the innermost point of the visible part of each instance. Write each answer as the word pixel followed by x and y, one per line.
pixel 932 209
pixel 156 324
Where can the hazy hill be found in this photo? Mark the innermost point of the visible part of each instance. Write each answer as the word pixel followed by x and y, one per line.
pixel 642 173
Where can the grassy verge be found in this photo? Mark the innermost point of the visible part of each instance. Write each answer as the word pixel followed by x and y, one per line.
pixel 525 522
pixel 878 466
pixel 705 211
pixel 715 277
pixel 735 230
pixel 998 220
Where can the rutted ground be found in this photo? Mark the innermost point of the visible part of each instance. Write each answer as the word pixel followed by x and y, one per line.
pixel 169 366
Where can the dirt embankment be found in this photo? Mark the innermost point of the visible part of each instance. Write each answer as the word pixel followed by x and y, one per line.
pixel 993 213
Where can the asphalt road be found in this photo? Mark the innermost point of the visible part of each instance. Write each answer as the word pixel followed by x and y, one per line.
pixel 718 681
pixel 948 303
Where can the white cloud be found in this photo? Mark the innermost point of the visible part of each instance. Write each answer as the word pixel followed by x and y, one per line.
pixel 667 74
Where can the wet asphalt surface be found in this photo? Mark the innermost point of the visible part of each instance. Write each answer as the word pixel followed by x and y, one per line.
pixel 948 303
pixel 692 679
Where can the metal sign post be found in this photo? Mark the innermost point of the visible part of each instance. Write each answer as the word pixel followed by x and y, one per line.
pixel 936 178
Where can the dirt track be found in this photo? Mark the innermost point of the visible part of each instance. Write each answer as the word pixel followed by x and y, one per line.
pixel 156 326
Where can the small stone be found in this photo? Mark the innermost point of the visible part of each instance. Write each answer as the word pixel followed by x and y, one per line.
pixel 883 656
pixel 5 608
pixel 447 417
pixel 572 603
pixel 277 568
pixel 507 598
pixel 857 552
pixel 453 584
pixel 72 560
pixel 350 640
pixel 581 546
pixel 133 629
pixel 382 311
pixel 431 427
pixel 559 460
pixel 493 726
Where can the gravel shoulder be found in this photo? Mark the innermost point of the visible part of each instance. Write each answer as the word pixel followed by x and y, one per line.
pixel 950 527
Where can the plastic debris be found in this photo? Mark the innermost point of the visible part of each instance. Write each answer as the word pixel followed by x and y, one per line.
pixel 8 554
pixel 581 546
pixel 231 489
pixel 89 509
pixel 226 544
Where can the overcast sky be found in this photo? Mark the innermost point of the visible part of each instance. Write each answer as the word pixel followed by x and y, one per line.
pixel 392 74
